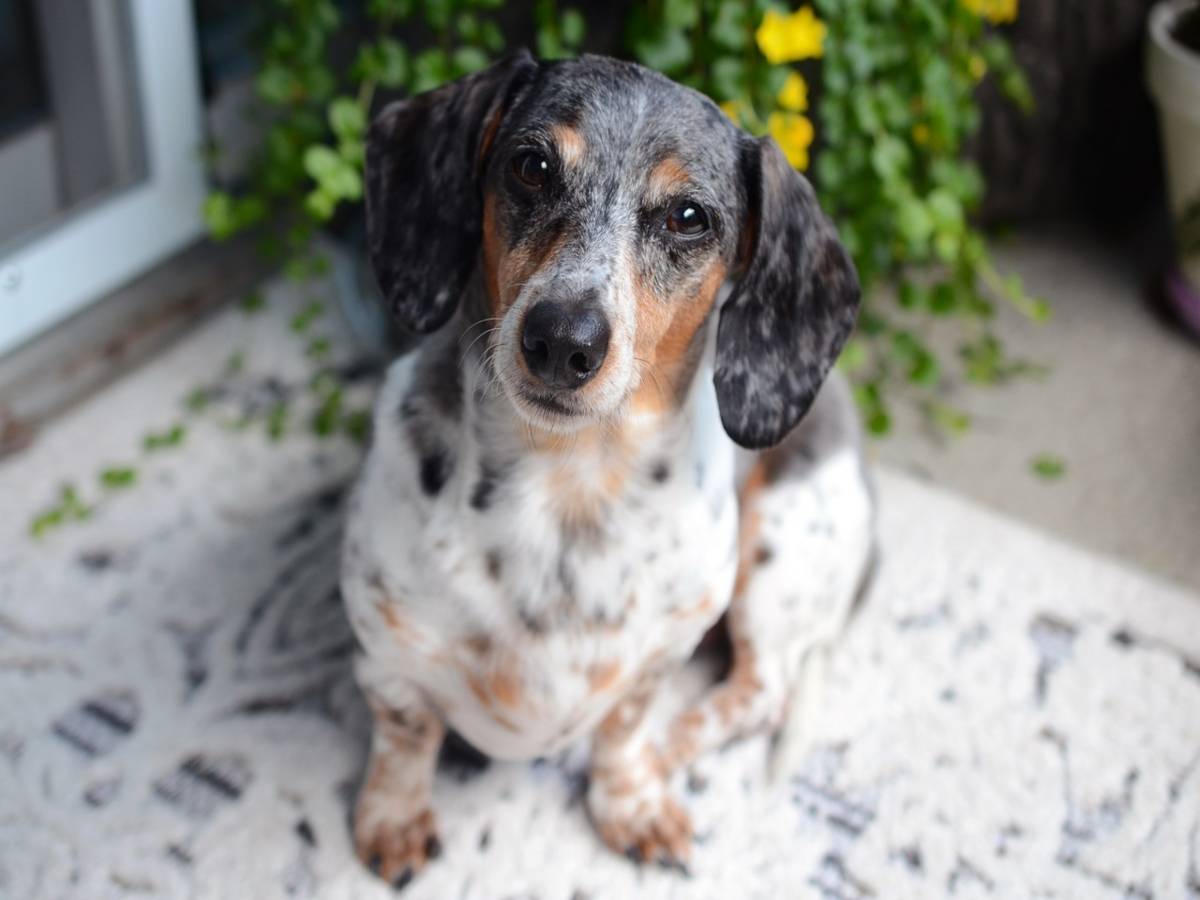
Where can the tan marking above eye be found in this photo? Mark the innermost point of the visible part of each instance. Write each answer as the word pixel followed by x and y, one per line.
pixel 570 144
pixel 667 177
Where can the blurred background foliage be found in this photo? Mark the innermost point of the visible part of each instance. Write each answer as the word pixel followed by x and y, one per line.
pixel 876 100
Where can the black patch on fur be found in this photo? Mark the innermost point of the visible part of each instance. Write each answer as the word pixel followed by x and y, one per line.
pixel 461 758
pixel 408 409
pixel 485 488
pixel 305 832
pixel 534 624
pixel 661 472
pixel 481 496
pixel 435 471
pixel 494 564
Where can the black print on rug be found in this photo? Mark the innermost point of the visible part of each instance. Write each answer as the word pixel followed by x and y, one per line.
pixel 202 783
pixel 99 724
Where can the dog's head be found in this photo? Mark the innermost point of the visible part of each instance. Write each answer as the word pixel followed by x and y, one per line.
pixel 608 208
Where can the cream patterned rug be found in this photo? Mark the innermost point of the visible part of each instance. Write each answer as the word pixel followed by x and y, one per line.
pixel 1007 717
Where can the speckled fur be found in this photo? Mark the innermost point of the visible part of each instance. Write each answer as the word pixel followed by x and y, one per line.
pixel 525 568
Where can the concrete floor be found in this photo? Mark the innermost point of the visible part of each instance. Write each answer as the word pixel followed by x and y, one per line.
pixel 1120 405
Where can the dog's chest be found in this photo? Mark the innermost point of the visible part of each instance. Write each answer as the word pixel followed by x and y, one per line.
pixel 525 618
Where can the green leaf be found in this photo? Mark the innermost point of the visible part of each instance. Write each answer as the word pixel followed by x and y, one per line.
pixel 197 399
pixel 431 68
pixel 669 51
pixel 879 423
pixel 320 204
pixel 913 221
pixel 681 13
pixel 491 37
pixel 277 421
pixel 946 209
pixel 437 13
pixel 276 84
pixel 889 157
pixel 172 437
pixel 854 356
pixel 1048 466
pixel 253 303
pixel 1039 310
pixel 325 420
pixel 386 62
pixel 218 215
pixel 357 425
pixel 469 59
pixel 572 27
pixel 346 118
pixel 302 320
pixel 728 28
pixel 548 44
pixel 951 421
pixel 45 521
pixel 322 162
pixel 117 478
pixel 728 77
pixel 318 348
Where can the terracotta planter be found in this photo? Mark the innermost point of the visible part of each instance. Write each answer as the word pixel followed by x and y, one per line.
pixel 1173 76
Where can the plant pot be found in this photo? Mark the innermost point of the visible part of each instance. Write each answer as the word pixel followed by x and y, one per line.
pixel 1173 76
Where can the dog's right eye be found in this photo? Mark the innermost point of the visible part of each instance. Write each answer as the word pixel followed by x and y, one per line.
pixel 532 168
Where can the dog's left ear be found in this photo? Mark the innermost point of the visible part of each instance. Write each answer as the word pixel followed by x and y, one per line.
pixel 424 158
pixel 791 310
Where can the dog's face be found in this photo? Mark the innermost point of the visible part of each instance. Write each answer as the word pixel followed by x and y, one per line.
pixel 607 208
pixel 611 203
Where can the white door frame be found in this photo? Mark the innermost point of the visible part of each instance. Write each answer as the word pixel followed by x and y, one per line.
pixel 106 244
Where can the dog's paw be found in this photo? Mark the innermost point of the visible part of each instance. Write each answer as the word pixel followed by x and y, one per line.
pixel 397 850
pixel 659 831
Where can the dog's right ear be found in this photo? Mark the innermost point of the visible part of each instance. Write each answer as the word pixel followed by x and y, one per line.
pixel 424 158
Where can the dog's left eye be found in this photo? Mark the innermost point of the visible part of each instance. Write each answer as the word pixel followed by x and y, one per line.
pixel 532 168
pixel 688 219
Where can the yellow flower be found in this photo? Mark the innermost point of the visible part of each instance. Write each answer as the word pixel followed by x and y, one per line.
pixel 1004 10
pixel 794 134
pixel 794 93
pixel 787 38
pixel 920 133
pixel 977 66
pixel 733 109
pixel 995 11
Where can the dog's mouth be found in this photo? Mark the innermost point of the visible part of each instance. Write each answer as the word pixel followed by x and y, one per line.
pixel 548 403
pixel 550 411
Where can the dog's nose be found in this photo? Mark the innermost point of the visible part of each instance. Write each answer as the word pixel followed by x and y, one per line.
pixel 564 345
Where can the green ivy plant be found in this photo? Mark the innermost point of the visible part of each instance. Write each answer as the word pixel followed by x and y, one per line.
pixel 895 85
pixel 893 107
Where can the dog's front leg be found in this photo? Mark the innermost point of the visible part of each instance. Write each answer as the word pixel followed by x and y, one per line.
pixel 628 796
pixel 395 832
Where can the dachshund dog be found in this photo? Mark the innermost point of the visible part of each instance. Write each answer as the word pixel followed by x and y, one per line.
pixel 614 437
